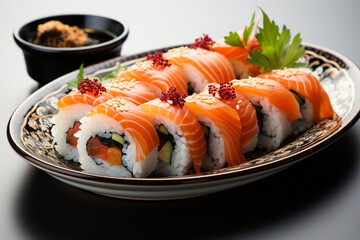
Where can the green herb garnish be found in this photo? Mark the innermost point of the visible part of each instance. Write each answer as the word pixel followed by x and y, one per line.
pixel 118 69
pixel 74 83
pixel 234 39
pixel 277 49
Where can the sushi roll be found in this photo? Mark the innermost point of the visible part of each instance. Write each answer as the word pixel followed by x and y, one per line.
pixel 72 108
pixel 158 73
pixel 313 100
pixel 201 67
pixel 131 90
pixel 117 138
pixel 182 140
pixel 276 108
pixel 226 93
pixel 235 48
pixel 222 128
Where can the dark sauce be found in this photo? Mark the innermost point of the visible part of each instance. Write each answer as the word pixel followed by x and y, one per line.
pixel 97 36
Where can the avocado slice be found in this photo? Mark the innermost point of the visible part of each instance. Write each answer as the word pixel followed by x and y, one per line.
pixel 205 129
pixel 297 97
pixel 163 130
pixel 116 137
pixel 165 152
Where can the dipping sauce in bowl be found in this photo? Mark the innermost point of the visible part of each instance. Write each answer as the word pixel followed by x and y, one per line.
pixel 45 63
pixel 56 34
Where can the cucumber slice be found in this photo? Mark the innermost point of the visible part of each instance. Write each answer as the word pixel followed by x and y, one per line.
pixel 116 137
pixel 205 129
pixel 165 152
pixel 163 130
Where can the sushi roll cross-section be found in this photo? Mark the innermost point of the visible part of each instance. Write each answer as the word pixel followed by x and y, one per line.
pixel 117 138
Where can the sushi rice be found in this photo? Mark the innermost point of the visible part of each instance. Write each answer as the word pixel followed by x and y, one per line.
pixel 103 126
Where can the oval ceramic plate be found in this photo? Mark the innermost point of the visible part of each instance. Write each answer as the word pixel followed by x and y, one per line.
pixel 30 125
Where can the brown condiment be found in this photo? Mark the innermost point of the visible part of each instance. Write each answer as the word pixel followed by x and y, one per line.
pixel 56 34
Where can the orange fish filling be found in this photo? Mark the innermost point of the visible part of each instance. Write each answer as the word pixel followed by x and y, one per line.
pixel 112 155
pixel 71 139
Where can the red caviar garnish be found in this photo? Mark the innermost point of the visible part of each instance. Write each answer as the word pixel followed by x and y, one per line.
pixel 224 91
pixel 173 97
pixel 203 42
pixel 90 86
pixel 158 59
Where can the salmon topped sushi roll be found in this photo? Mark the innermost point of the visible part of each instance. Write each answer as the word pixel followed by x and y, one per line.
pixel 226 93
pixel 131 90
pixel 314 101
pixel 201 66
pixel 235 48
pixel 222 128
pixel 276 108
pixel 117 138
pixel 158 73
pixel 72 107
pixel 182 140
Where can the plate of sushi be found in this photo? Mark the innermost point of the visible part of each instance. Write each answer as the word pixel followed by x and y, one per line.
pixel 192 119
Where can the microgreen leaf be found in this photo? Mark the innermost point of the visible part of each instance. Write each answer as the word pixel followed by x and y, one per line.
pixel 74 83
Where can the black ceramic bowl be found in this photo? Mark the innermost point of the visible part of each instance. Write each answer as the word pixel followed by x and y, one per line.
pixel 47 63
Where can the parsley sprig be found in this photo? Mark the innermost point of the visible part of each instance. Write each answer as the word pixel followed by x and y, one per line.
pixel 277 49
pixel 80 77
pixel 234 39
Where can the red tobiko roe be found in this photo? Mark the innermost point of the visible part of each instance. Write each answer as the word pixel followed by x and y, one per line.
pixel 158 59
pixel 90 86
pixel 203 42
pixel 173 97
pixel 225 90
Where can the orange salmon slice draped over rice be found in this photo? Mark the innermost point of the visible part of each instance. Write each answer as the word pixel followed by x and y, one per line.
pixel 224 142
pixel 124 118
pixel 131 90
pixel 277 109
pixel 201 66
pixel 277 95
pixel 179 121
pixel 307 86
pixel 243 107
pixel 158 78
